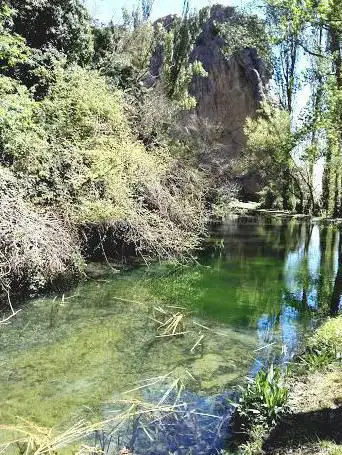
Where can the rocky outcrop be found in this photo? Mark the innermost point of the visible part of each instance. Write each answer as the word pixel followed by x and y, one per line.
pixel 235 85
pixel 233 90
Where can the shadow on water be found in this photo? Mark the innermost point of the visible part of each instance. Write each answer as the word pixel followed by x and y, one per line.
pixel 259 285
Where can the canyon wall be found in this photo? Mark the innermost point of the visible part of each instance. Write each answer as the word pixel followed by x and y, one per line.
pixel 235 87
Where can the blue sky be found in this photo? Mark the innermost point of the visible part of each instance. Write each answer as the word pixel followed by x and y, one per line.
pixel 104 10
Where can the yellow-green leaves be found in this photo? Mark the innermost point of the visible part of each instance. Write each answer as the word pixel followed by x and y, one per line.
pixel 13 49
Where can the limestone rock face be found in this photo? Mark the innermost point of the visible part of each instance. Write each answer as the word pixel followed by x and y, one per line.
pixel 234 87
pixel 233 90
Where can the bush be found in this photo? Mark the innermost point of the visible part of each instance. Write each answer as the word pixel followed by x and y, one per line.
pixel 159 200
pixel 74 154
pixel 327 339
pixel 262 400
pixel 36 248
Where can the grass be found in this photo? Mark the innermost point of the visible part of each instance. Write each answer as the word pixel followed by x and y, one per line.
pixel 323 349
pixel 330 447
pixel 328 338
pixel 315 399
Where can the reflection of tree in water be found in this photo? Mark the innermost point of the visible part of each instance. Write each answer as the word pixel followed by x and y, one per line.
pixel 309 280
pixel 281 235
pixel 251 237
pixel 311 264
pixel 270 276
pixel 181 423
pixel 335 301
pixel 312 281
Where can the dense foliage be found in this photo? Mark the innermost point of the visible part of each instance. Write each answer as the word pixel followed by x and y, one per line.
pixel 62 24
pixel 307 54
pixel 72 150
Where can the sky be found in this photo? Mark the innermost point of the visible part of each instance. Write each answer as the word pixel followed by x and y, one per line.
pixel 104 10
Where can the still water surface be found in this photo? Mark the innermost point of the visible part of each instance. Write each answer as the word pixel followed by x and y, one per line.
pixel 258 287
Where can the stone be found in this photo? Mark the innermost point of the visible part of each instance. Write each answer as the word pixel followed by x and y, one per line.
pixel 234 90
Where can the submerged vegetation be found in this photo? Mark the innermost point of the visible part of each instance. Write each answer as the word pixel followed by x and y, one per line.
pixel 104 156
pixel 188 329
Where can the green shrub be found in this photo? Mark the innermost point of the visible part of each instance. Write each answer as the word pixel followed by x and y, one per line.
pixel 160 200
pixel 74 154
pixel 316 359
pixel 13 49
pixel 262 400
pixel 327 339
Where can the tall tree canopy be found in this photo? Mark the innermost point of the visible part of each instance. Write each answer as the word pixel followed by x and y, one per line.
pixel 63 24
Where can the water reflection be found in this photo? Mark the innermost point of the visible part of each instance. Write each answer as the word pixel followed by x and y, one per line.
pixel 271 277
pixel 296 274
pixel 257 287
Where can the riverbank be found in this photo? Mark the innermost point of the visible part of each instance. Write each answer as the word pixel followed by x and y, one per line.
pixel 311 423
pixel 87 189
pixel 239 208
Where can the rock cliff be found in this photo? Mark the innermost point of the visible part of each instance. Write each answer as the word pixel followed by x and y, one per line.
pixel 233 90
pixel 235 85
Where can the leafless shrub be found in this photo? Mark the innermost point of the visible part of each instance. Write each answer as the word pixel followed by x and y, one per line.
pixel 36 248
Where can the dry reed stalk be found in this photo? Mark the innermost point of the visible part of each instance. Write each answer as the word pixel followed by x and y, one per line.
pixel 36 440
pixel 169 324
pixel 198 342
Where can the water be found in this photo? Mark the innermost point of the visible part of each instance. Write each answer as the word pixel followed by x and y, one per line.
pixel 258 287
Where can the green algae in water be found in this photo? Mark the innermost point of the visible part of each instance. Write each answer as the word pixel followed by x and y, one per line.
pixel 66 359
pixel 96 351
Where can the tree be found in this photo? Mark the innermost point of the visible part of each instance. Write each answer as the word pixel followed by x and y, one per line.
pixel 62 24
pixel 286 26
pixel 270 148
pixel 13 48
pixel 307 39
pixel 177 70
pixel 123 51
pixel 243 31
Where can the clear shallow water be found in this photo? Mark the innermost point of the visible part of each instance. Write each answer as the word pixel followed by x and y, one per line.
pixel 256 290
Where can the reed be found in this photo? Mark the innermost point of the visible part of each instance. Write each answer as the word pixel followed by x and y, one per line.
pixel 170 323
pixel 27 438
